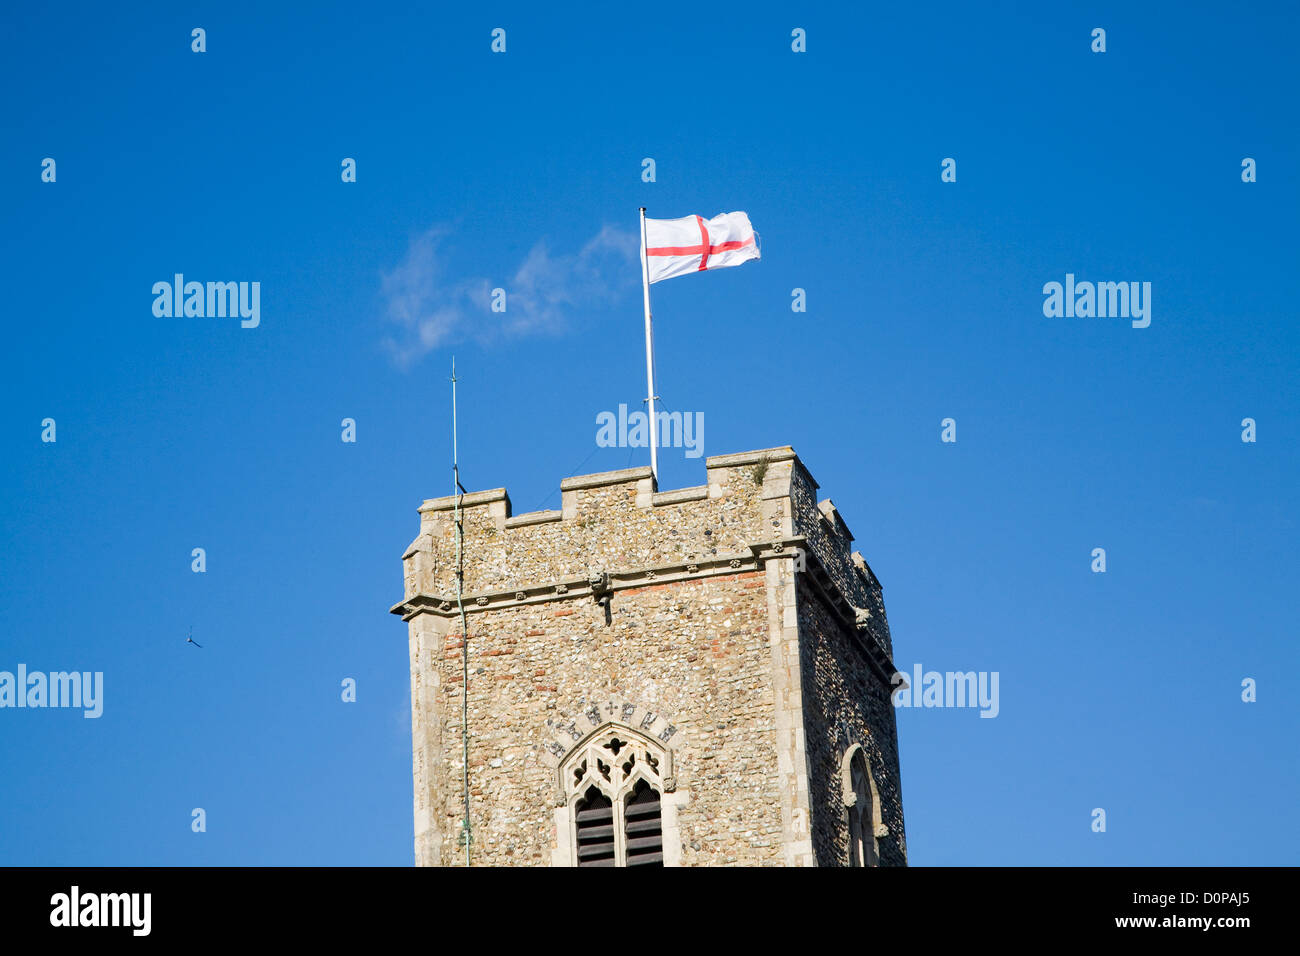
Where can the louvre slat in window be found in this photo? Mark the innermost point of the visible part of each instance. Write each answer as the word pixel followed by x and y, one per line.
pixel 642 817
pixel 595 815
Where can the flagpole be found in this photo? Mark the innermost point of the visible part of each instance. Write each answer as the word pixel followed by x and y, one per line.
pixel 649 358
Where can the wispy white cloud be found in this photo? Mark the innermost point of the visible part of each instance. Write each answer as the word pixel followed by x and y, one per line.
pixel 426 308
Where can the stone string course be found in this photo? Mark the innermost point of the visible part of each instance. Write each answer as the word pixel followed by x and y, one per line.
pixel 680 614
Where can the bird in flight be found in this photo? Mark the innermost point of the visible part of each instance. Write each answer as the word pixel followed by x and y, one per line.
pixel 191 640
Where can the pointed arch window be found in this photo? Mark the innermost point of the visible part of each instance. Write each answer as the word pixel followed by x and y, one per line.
pixel 615 782
pixel 861 807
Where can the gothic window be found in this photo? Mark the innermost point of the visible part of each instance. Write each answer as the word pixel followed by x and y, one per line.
pixel 860 804
pixel 614 781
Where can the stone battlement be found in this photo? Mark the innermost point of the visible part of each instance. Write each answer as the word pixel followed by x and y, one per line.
pixel 578 492
pixel 615 529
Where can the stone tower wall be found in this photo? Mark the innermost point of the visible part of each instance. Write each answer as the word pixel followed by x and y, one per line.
pixel 677 615
pixel 847 669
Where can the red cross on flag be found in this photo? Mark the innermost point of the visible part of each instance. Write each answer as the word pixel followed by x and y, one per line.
pixel 678 247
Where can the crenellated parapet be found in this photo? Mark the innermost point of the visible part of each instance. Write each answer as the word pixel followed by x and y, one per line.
pixel 616 524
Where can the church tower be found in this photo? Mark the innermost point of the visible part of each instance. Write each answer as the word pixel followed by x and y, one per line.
pixel 697 677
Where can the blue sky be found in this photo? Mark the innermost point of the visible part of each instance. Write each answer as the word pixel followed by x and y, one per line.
pixel 477 170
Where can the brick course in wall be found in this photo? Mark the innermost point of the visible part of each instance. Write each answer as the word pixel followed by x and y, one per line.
pixel 728 625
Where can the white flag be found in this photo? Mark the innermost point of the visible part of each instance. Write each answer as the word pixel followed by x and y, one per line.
pixel 678 247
